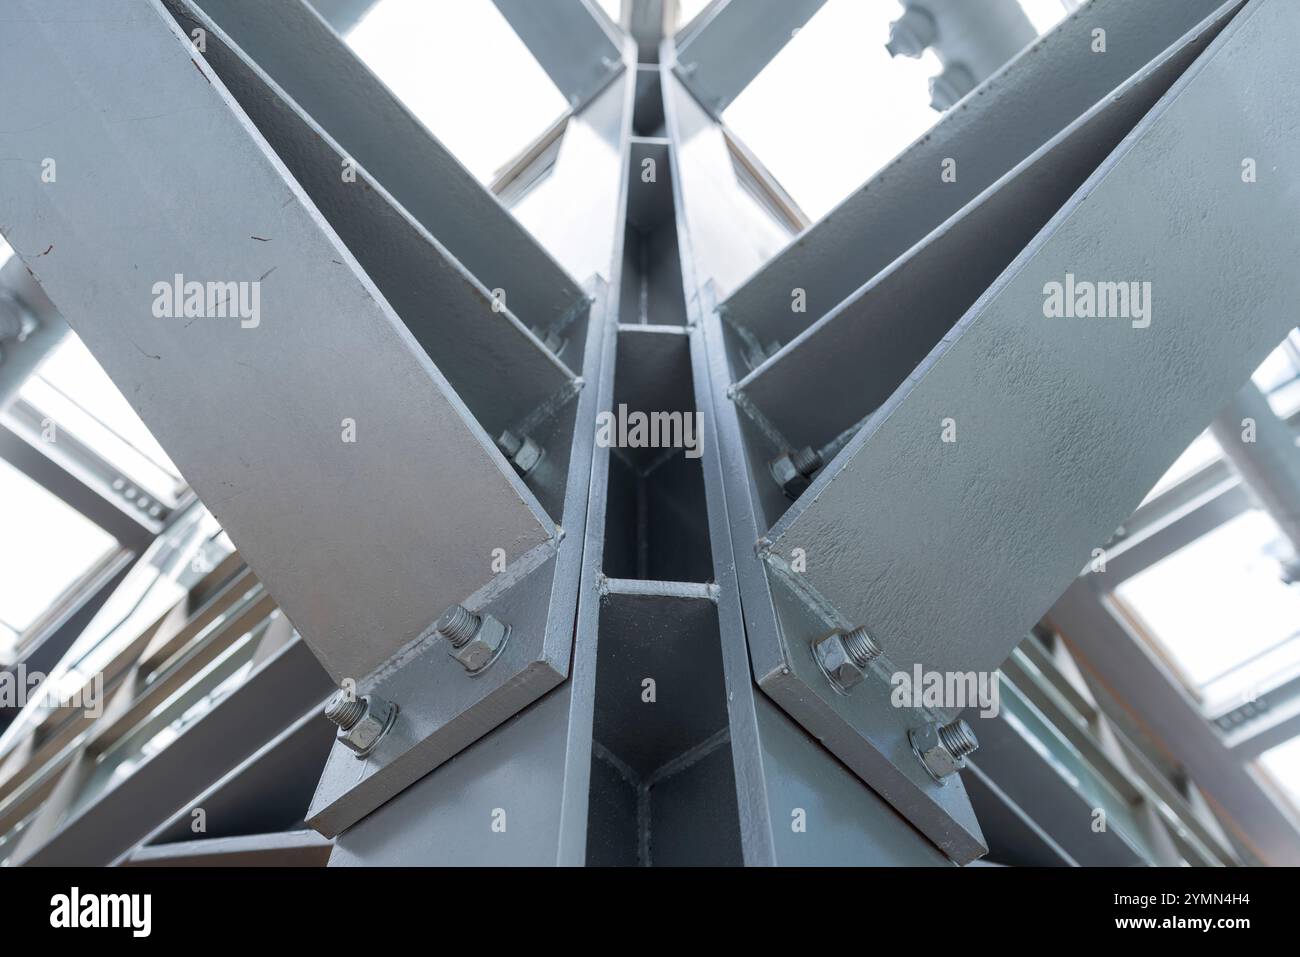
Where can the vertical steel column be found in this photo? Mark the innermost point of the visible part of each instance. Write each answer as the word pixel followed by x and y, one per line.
pixel 1262 449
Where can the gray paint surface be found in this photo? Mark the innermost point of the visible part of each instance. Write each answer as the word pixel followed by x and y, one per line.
pixel 302 54
pixel 497 367
pixel 1064 424
pixel 1111 653
pixel 849 362
pixel 330 527
pixel 1269 464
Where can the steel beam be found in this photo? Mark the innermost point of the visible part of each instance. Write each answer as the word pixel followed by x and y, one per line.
pixel 732 42
pixel 1112 654
pixel 19 359
pixel 75 475
pixel 573 40
pixel 342 15
pixel 833 375
pixel 449 806
pixel 648 22
pixel 286 849
pixel 1262 450
pixel 297 499
pixel 782 773
pixel 1021 107
pixel 316 69
pixel 503 373
pixel 1040 400
pixel 272 698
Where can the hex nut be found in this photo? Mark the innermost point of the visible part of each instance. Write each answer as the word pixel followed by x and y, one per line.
pixel 378 718
pixel 943 749
pixel 836 662
pixel 528 457
pixel 791 480
pixel 481 650
pixel 524 454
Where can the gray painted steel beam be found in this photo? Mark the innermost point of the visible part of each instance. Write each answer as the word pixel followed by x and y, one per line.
pixel 731 44
pixel 83 492
pixel 763 737
pixel 497 366
pixel 543 751
pixel 1112 654
pixel 1268 462
pixel 274 696
pixel 781 771
pixel 355 543
pixel 19 359
pixel 648 22
pixel 286 849
pixel 266 793
pixel 290 42
pixel 1060 794
pixel 914 537
pixel 68 469
pixel 844 367
pixel 342 15
pixel 1020 108
pixel 1015 839
pixel 572 40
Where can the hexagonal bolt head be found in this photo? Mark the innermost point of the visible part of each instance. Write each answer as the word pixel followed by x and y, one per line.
pixel 793 471
pixel 475 640
pixel 950 86
pixel 845 657
pixel 943 748
pixel 552 340
pixel 362 721
pixel 524 454
pixel 911 33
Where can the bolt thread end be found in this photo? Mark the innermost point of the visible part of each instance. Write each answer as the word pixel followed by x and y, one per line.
pixel 958 738
pixel 458 625
pixel 806 460
pixel 344 709
pixel 862 648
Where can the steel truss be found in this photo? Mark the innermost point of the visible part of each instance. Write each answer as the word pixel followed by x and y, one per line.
pixel 213 140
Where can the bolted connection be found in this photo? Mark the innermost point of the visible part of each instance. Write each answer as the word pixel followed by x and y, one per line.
pixel 911 33
pixel 362 722
pixel 844 657
pixel 344 709
pixel 943 748
pixel 524 454
pixel 793 471
pixel 476 640
pixel 950 86
pixel 458 625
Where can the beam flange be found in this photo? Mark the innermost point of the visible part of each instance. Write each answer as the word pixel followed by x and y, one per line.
pixel 732 42
pixel 363 543
pixel 298 50
pixel 1021 107
pixel 1011 399
pixel 573 40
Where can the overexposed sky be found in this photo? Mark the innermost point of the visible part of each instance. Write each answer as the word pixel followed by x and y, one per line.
pixel 464 73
